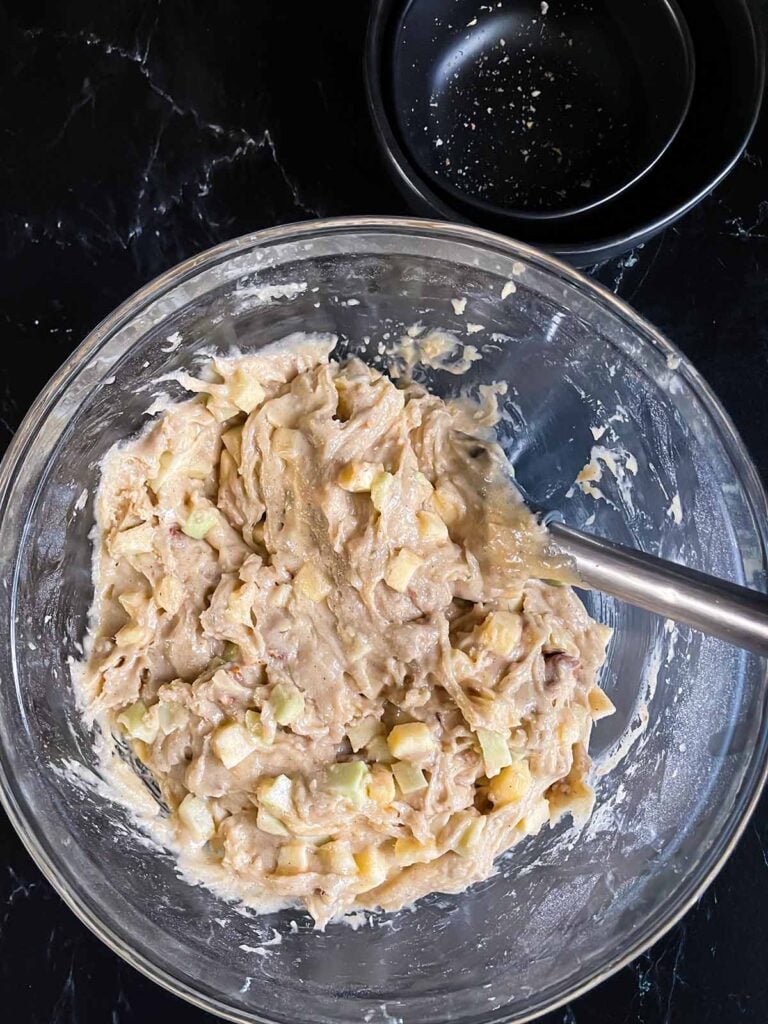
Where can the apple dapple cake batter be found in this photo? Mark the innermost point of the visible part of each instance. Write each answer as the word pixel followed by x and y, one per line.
pixel 322 623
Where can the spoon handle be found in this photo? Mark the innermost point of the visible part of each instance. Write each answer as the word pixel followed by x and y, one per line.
pixel 714 606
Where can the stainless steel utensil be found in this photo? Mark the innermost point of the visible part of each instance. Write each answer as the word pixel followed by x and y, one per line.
pixel 712 605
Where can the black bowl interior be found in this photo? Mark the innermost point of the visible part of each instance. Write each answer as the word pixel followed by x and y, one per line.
pixel 724 107
pixel 725 104
pixel 539 108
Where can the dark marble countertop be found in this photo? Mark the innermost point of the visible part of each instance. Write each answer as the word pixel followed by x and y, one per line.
pixel 137 133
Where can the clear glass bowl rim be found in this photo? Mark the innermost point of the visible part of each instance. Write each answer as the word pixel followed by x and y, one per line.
pixel 708 867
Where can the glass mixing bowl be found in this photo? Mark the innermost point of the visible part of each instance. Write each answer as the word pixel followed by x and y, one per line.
pixel 678 768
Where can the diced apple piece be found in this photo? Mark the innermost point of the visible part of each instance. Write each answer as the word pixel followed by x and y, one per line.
pixel 287 703
pixel 240 604
pixel 378 750
pixel 495 750
pixel 198 465
pixel 270 824
pixel 293 859
pixel 276 795
pixel 361 732
pixel 372 866
pixel 447 505
pixel 358 477
pixel 410 779
pixel 312 583
pixel 467 831
pixel 409 850
pixel 423 486
pixel 171 716
pixel 232 743
pixel 511 785
pixel 255 727
pixel 400 569
pixel 280 595
pixel 532 822
pixel 288 444
pixel 132 635
pixel 582 802
pixel 137 540
pixel 220 408
pixel 580 713
pixel 432 529
pixel 350 780
pixel 381 487
pixel 463 666
pixel 143 751
pixel 381 788
pixel 337 857
pixel 572 794
pixel 227 471
pixel 168 463
pixel 600 704
pixel 196 818
pixel 134 602
pixel 138 722
pixel 199 522
pixel 501 633
pixel 169 594
pixel 411 740
pixel 245 391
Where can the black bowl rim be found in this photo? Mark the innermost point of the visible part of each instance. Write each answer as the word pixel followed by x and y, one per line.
pixel 413 186
pixel 678 21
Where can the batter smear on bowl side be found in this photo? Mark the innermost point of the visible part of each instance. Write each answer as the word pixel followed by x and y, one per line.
pixel 321 623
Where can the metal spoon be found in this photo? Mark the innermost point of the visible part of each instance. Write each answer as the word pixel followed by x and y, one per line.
pixel 711 605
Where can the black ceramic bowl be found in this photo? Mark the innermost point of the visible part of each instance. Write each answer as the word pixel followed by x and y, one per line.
pixel 537 110
pixel 724 108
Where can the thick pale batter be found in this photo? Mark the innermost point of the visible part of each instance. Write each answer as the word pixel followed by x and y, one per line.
pixel 321 624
